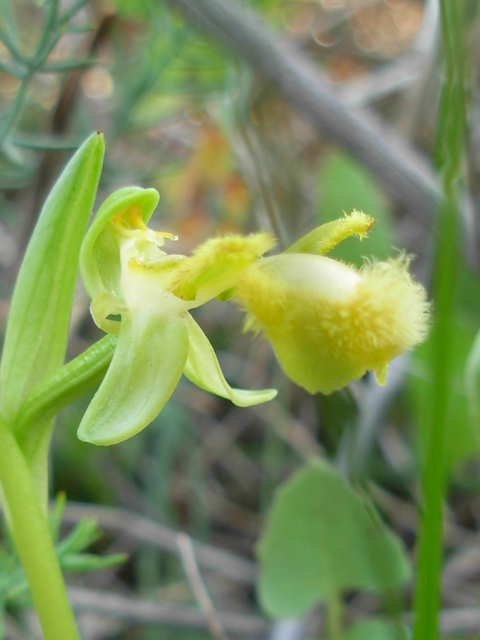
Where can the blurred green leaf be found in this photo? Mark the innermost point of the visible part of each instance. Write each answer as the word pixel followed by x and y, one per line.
pixel 344 185
pixel 55 515
pixel 472 384
pixel 462 435
pixel 82 536
pixel 70 549
pixel 376 630
pixel 90 562
pixel 321 538
pixel 67 65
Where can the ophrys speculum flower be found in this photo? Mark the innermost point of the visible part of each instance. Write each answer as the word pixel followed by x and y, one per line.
pixel 328 322
pixel 144 294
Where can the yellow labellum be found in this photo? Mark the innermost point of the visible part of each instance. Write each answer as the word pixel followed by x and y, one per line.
pixel 329 323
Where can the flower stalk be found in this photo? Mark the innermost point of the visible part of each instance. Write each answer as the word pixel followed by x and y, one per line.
pixel 29 527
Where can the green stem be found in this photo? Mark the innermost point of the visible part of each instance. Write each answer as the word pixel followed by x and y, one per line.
pixel 450 153
pixel 334 616
pixel 430 543
pixel 34 543
pixel 66 385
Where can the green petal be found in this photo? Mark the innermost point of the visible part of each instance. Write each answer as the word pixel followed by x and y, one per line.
pixel 100 256
pixel 147 364
pixel 203 369
pixel 324 238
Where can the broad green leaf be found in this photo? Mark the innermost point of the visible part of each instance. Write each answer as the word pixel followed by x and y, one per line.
pixel 321 538
pixel 37 331
pixel 374 629
pixel 344 186
pixel 203 369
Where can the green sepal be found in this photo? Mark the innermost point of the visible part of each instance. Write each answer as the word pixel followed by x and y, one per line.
pixel 147 364
pixel 37 331
pixel 203 369
pixel 100 256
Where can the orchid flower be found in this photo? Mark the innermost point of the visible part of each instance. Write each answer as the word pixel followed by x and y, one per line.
pixel 144 294
pixel 328 322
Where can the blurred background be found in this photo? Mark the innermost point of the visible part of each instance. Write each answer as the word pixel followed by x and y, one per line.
pixel 269 114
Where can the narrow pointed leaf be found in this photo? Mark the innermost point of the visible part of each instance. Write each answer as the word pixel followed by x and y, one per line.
pixel 203 369
pixel 37 330
pixel 147 364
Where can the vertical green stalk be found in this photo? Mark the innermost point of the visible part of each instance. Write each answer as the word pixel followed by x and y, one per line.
pixel 334 615
pixel 450 152
pixel 34 544
pixel 430 542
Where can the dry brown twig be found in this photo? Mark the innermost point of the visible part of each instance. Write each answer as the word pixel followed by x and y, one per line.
pixel 405 174
pixel 147 531
pixel 137 610
pixel 189 562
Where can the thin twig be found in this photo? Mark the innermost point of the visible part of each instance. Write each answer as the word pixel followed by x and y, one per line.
pixel 189 562
pixel 148 531
pixel 292 431
pixel 405 174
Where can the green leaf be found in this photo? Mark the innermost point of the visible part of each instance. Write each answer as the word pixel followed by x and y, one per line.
pixel 374 629
pixel 321 538
pixel 203 369
pixel 344 185
pixel 90 562
pixel 463 426
pixel 82 536
pixel 472 385
pixel 56 514
pixel 67 65
pixel 147 364
pixel 70 549
pixel 37 331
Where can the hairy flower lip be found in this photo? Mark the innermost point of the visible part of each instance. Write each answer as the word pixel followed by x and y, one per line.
pixel 330 323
